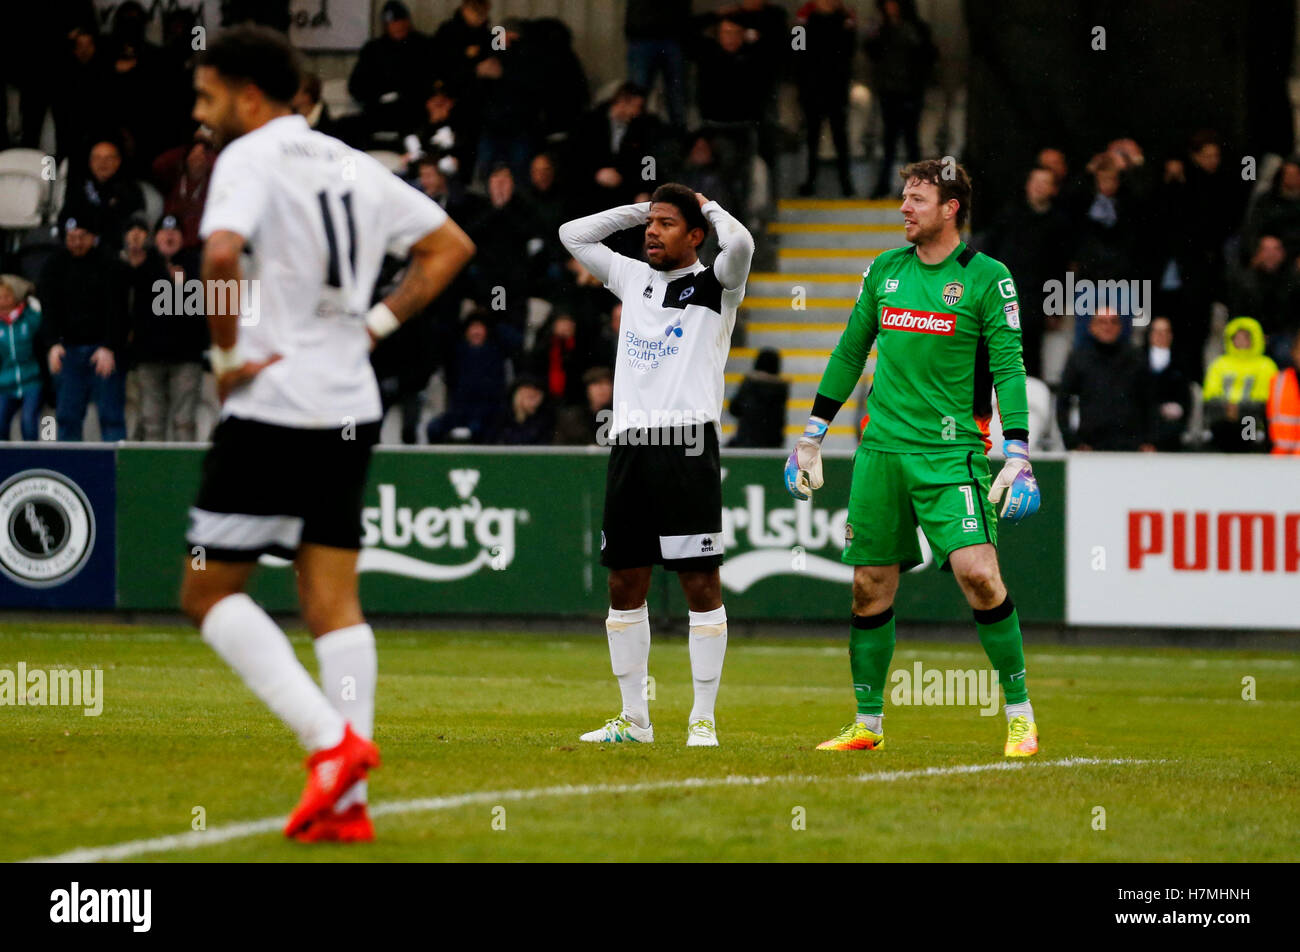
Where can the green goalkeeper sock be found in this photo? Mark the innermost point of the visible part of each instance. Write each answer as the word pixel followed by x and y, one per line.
pixel 871 648
pixel 999 630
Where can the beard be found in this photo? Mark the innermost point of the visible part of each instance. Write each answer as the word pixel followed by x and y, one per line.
pixel 926 233
pixel 225 129
pixel 665 262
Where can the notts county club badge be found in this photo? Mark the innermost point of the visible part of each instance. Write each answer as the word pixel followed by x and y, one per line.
pixel 952 292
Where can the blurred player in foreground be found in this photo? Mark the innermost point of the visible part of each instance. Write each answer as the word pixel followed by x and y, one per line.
pixel 663 489
pixel 945 319
pixel 300 406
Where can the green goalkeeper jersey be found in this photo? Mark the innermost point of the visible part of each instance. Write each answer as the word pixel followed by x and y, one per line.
pixel 945 335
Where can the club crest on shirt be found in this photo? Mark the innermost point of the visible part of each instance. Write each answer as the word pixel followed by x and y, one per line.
pixel 952 292
pixel 687 292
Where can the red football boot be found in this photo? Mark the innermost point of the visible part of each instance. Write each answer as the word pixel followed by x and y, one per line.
pixel 351 826
pixel 330 773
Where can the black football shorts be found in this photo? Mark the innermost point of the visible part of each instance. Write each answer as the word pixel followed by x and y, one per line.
pixel 268 488
pixel 663 500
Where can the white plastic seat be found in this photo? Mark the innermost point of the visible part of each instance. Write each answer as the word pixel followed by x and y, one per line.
pixel 58 191
pixel 389 160
pixel 1038 396
pixel 24 192
pixel 334 93
pixel 153 203
pixel 29 161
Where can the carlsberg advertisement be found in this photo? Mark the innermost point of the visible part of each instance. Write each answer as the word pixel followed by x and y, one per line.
pixel 517 532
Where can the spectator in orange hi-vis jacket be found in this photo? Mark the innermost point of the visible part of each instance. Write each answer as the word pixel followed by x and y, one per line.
pixel 1284 406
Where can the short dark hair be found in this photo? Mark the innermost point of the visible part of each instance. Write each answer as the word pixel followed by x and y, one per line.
pixel 1201 138
pixel 768 361
pixel 684 200
pixel 948 177
pixel 257 55
pixel 629 90
pixel 597 375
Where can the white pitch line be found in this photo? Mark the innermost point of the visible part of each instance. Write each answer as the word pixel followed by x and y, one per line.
pixel 235 831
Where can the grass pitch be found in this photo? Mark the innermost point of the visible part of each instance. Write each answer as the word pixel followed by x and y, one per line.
pixel 479 731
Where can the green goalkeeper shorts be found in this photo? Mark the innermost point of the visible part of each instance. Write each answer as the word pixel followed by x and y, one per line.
pixel 946 494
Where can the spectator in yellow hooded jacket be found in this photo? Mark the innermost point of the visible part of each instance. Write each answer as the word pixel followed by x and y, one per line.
pixel 1236 389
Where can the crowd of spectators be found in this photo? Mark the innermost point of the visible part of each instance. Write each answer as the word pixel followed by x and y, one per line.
pixel 1176 241
pixel 498 127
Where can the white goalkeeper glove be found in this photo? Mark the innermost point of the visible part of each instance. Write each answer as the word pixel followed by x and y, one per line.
pixel 803 470
pixel 1016 480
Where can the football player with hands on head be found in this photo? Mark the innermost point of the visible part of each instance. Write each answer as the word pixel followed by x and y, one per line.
pixel 663 490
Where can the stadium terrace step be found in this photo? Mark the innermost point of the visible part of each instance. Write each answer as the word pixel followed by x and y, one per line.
pixel 734 377
pixel 803 384
pixel 793 334
pixel 793 360
pixel 831 228
pixel 825 245
pixel 846 261
pixel 818 236
pixel 814 284
pixel 814 210
pixel 794 406
pixel 815 310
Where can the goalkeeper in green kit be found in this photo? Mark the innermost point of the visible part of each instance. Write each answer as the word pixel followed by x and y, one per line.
pixel 946 324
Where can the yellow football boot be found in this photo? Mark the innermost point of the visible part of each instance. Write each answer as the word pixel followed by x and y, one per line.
pixel 1022 738
pixel 854 737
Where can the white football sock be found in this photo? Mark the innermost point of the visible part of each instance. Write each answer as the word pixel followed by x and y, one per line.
pixel 348 671
pixel 872 721
pixel 708 647
pixel 1016 710
pixel 253 644
pixel 629 657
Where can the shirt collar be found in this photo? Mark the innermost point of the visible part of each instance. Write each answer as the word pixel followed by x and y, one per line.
pixel 680 272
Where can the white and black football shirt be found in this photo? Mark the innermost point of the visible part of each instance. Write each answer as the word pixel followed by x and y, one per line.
pixel 676 327
pixel 319 216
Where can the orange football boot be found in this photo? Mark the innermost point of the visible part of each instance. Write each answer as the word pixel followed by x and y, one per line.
pixel 329 773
